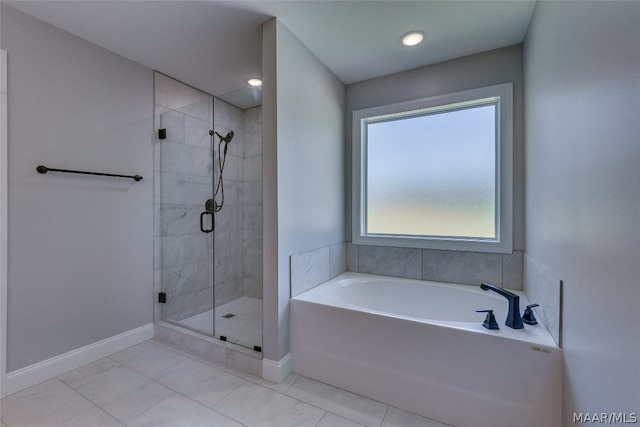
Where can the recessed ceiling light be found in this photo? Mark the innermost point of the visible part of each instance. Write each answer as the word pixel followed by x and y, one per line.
pixel 255 82
pixel 412 38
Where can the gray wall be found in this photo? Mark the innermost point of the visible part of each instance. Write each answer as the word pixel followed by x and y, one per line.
pixel 80 248
pixel 582 71
pixel 303 128
pixel 484 69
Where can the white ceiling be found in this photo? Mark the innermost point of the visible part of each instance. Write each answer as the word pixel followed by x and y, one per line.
pixel 216 45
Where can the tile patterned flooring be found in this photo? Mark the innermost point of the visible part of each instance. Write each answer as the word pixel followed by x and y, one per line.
pixel 153 385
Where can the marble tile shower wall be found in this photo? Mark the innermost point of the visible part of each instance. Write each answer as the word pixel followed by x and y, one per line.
pixel 252 187
pixel 238 236
pixel 183 169
pixel 229 220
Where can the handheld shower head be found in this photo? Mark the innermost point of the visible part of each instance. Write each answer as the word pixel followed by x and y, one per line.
pixel 226 138
pixel 222 160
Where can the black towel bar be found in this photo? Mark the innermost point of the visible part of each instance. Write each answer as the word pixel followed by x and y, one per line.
pixel 44 169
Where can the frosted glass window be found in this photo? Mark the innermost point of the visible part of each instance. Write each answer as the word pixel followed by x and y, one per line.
pixel 433 174
pixel 436 173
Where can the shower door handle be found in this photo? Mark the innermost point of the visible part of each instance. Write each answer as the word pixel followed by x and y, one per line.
pixel 202 215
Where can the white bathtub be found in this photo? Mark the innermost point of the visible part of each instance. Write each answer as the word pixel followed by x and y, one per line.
pixel 421 346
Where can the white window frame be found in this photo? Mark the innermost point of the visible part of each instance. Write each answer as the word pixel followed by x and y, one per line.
pixel 503 242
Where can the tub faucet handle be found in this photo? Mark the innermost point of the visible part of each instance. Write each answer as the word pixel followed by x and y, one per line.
pixel 528 316
pixel 490 320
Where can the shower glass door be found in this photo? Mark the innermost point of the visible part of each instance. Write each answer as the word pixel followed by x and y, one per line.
pixel 208 210
pixel 184 190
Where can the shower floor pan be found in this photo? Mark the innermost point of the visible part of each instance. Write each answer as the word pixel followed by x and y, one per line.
pixel 240 321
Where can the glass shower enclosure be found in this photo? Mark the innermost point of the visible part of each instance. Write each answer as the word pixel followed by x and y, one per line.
pixel 205 276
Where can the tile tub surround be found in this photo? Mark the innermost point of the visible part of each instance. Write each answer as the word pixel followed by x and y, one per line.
pixel 311 268
pixel 544 287
pixel 470 268
pixel 152 384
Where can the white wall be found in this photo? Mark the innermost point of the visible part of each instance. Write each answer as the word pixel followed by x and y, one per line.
pixel 303 154
pixel 80 248
pixel 582 84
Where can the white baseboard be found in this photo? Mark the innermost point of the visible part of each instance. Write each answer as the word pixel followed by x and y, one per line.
pixel 276 371
pixel 47 369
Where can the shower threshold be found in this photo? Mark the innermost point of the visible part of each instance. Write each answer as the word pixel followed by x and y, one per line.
pixel 209 348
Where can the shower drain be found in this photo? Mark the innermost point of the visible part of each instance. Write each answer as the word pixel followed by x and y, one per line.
pixel 229 316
